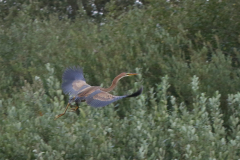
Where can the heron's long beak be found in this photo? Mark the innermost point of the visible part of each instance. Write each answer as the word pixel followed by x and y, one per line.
pixel 132 74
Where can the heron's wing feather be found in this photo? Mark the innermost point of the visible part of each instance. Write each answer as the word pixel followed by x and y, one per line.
pixel 73 81
pixel 86 92
pixel 100 98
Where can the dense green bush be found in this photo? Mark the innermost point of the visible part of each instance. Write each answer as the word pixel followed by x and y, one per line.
pixel 187 54
pixel 145 132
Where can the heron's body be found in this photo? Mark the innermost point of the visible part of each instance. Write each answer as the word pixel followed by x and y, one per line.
pixel 76 87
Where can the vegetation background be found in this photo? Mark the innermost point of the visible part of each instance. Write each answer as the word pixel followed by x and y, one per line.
pixel 187 54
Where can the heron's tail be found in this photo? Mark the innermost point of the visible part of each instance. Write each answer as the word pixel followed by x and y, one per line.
pixel 136 93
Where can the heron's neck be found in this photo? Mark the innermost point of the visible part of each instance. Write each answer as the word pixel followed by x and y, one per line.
pixel 114 84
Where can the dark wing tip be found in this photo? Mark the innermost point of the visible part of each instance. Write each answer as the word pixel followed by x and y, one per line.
pixel 136 93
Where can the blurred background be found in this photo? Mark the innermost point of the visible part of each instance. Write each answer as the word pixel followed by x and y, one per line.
pixel 187 55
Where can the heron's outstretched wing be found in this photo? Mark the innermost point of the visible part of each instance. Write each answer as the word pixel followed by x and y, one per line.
pixel 73 81
pixel 84 93
pixel 100 98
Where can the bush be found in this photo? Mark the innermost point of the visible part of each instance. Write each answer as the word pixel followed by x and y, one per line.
pixel 29 131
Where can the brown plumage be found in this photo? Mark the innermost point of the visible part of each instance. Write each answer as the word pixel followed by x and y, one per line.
pixel 76 87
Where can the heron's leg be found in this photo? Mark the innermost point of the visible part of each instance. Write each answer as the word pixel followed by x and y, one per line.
pixel 77 109
pixel 74 109
pixel 56 117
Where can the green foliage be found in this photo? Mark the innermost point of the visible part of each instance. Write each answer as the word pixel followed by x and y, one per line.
pixel 187 57
pixel 144 133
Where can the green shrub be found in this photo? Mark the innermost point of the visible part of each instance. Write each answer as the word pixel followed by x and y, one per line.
pixel 144 133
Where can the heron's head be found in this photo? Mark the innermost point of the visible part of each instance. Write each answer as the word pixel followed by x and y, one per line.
pixel 131 74
pixel 124 74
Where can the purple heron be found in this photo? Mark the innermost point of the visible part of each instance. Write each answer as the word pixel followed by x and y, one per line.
pixel 75 86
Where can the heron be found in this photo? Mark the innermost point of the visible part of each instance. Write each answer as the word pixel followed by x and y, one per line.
pixel 74 85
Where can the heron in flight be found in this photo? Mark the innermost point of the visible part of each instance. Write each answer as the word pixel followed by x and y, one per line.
pixel 75 86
